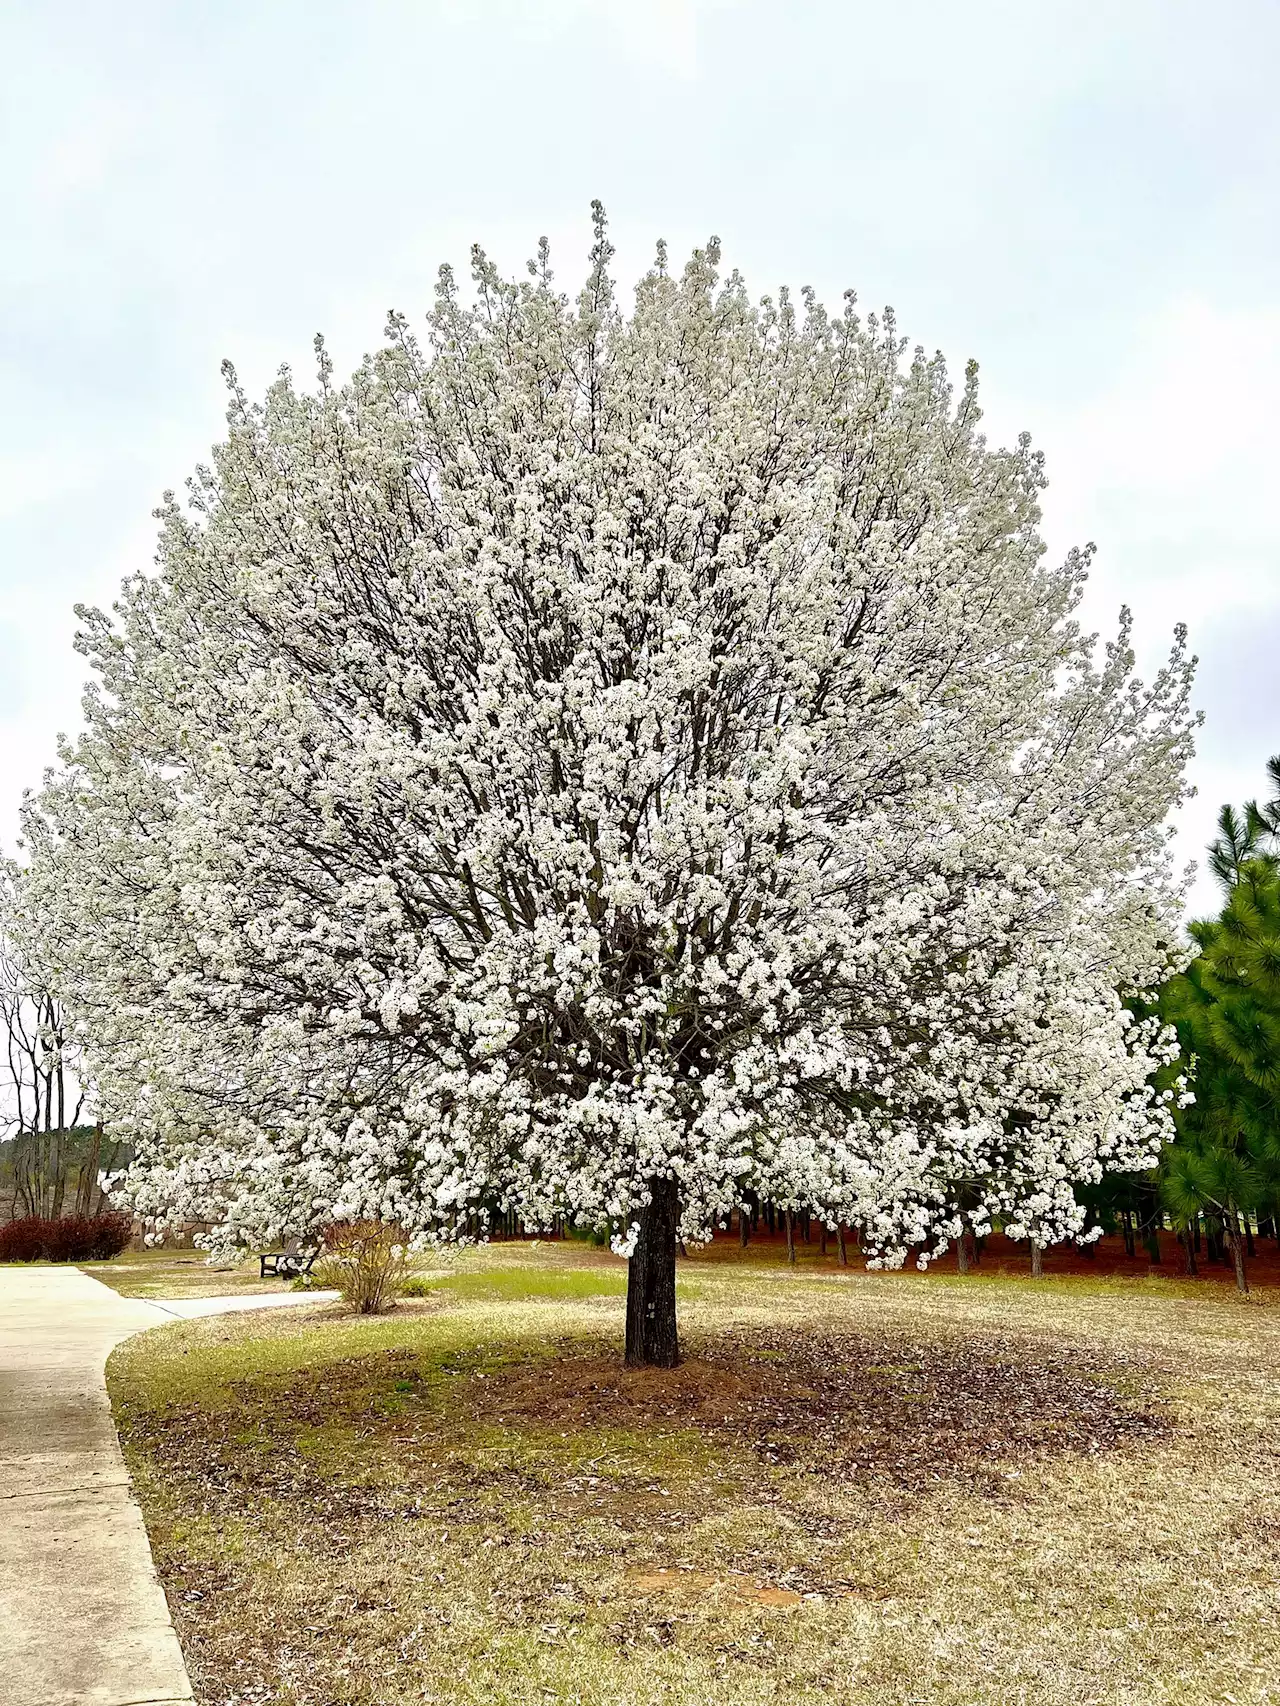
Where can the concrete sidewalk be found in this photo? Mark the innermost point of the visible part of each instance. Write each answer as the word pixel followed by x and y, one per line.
pixel 83 1618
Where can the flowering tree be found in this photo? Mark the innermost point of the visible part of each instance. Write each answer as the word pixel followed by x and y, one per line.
pixel 604 765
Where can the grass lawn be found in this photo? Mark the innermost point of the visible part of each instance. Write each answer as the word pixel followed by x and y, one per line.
pixel 179 1273
pixel 879 1488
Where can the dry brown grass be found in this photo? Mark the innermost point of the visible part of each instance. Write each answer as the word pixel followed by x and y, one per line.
pixel 871 1488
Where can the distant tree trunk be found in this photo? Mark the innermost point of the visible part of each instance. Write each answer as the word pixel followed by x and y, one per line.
pixel 652 1337
pixel 744 1224
pixel 1037 1259
pixel 1126 1223
pixel 791 1237
pixel 806 1230
pixel 962 1252
pixel 1248 1239
pixel 824 1238
pixel 844 1246
pixel 60 1141
pixel 1186 1239
pixel 22 1199
pixel 59 1186
pixel 1231 1230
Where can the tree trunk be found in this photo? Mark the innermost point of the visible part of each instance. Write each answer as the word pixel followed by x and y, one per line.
pixel 1248 1239
pixel 824 1238
pixel 1188 1243
pixel 1037 1260
pixel 744 1225
pixel 844 1246
pixel 652 1337
pixel 1231 1229
pixel 791 1237
pixel 962 1253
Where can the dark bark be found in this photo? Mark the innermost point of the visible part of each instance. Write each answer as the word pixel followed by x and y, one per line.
pixel 1231 1230
pixel 87 1182
pixel 844 1246
pixel 1214 1240
pixel 791 1237
pixel 1037 1259
pixel 744 1224
pixel 652 1337
pixel 824 1238
pixel 1188 1243
pixel 962 1253
pixel 1248 1239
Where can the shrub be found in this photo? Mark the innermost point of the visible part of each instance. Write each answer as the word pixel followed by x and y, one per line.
pixel 65 1240
pixel 110 1234
pixel 22 1240
pixel 417 1285
pixel 72 1238
pixel 365 1260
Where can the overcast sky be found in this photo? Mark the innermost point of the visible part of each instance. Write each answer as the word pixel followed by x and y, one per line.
pixel 1080 195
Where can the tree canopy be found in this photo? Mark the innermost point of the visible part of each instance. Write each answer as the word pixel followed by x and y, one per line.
pixel 601 764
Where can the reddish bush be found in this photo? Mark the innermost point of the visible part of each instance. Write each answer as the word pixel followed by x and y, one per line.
pixel 111 1234
pixel 66 1240
pixel 73 1238
pixel 22 1240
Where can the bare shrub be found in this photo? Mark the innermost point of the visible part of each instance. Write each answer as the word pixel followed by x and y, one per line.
pixel 365 1260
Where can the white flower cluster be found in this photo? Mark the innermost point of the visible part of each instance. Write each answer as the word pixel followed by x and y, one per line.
pixel 592 747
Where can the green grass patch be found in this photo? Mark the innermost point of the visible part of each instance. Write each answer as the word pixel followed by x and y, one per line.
pixel 511 1285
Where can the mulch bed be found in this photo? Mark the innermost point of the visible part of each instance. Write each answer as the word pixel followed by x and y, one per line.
pixel 845 1406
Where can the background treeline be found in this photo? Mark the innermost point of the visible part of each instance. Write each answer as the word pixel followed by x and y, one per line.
pixel 56 1171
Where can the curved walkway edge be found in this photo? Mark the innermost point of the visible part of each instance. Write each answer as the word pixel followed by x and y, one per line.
pixel 83 1618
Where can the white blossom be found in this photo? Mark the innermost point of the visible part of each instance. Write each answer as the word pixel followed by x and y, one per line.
pixel 588 748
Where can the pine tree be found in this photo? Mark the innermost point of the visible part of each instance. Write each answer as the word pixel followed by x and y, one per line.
pixel 1226 1007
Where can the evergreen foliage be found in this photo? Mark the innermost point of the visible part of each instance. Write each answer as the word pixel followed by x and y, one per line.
pixel 1226 1008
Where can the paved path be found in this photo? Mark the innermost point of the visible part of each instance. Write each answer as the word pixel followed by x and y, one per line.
pixel 83 1619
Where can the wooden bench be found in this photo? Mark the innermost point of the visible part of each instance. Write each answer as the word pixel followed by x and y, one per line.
pixel 286 1264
